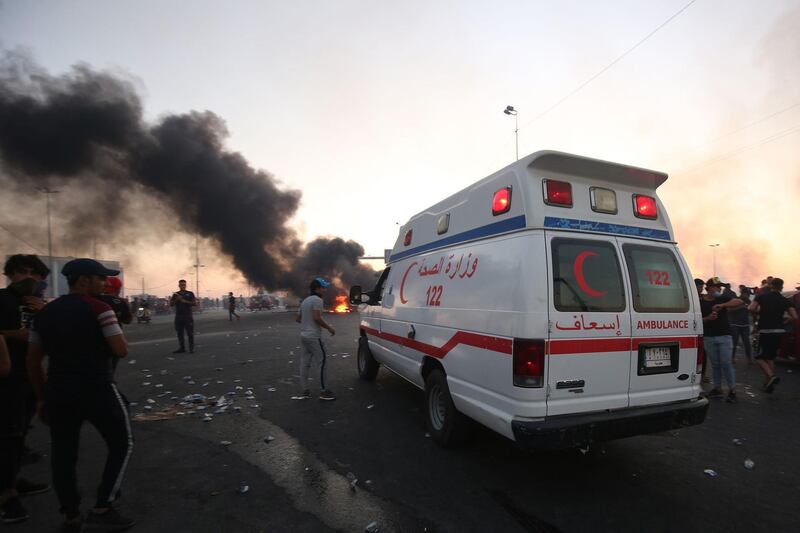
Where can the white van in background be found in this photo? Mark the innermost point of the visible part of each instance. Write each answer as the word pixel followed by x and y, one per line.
pixel 547 302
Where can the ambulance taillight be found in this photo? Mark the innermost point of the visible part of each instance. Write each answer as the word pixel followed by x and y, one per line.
pixel 557 193
pixel 645 206
pixel 528 362
pixel 501 201
pixel 700 355
pixel 407 238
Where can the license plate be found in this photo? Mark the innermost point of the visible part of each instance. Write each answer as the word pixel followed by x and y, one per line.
pixel 657 357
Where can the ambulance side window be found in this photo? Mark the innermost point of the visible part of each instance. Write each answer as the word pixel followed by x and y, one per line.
pixel 380 287
pixel 586 276
pixel 657 279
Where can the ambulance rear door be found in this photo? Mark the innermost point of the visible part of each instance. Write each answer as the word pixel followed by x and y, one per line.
pixel 588 363
pixel 664 341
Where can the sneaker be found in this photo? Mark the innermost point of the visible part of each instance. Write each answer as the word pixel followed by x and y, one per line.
pixel 111 520
pixel 769 386
pixel 29 488
pixel 180 350
pixel 12 511
pixel 327 396
pixel 714 393
pixel 731 398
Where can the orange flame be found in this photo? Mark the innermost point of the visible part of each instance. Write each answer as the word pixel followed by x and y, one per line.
pixel 341 305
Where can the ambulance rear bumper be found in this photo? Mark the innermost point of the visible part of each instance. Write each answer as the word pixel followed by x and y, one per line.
pixel 570 431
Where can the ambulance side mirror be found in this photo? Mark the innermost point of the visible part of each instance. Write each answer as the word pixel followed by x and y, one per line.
pixel 356 296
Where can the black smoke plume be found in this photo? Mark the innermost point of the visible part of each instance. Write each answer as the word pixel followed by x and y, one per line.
pixel 84 132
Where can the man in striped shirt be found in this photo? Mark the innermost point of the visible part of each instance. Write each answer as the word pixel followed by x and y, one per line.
pixel 81 336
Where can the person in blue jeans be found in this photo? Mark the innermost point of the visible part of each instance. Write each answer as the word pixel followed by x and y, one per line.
pixel 739 319
pixel 717 339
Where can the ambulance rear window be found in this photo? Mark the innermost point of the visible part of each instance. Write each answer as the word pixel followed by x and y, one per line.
pixel 586 276
pixel 658 285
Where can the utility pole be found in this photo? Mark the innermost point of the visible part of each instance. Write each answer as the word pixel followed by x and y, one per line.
pixel 48 191
pixel 714 257
pixel 197 266
pixel 142 286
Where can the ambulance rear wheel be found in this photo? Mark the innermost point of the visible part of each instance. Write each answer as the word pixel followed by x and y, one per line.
pixel 367 365
pixel 445 424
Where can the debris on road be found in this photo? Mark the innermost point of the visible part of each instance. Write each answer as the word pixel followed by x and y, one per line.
pixel 372 527
pixel 738 442
pixel 710 473
pixel 226 443
pixel 269 438
pixel 749 464
pixel 243 487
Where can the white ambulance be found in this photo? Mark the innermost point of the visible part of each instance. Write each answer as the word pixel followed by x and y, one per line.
pixel 547 302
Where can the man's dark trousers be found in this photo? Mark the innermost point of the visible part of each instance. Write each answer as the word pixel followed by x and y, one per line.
pixel 181 325
pixel 69 403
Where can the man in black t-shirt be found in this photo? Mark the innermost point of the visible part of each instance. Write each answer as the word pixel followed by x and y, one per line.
pixel 717 339
pixel 771 307
pixel 80 336
pixel 19 302
pixel 183 301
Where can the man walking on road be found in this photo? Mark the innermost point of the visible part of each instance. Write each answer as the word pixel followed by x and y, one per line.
pixel 313 349
pixel 232 307
pixel 80 335
pixel 770 308
pixel 183 301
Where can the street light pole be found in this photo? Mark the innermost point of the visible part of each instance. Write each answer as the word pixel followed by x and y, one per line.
pixel 47 192
pixel 714 257
pixel 509 110
pixel 197 266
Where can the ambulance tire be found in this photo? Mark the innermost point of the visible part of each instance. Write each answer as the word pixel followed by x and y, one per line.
pixel 367 365
pixel 446 425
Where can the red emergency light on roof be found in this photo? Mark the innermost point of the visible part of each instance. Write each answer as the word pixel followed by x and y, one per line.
pixel 501 202
pixel 558 193
pixel 645 206
pixel 407 238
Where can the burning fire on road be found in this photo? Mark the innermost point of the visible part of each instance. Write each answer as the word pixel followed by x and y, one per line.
pixel 341 305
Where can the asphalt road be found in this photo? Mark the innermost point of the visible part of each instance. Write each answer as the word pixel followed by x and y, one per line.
pixel 181 478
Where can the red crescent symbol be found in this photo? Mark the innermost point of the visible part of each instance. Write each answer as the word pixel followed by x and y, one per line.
pixel 581 279
pixel 402 283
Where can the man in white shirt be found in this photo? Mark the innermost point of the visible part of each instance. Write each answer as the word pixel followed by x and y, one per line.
pixel 313 349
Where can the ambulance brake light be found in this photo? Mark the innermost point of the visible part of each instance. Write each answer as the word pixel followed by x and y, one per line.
pixel 501 202
pixel 407 238
pixel 645 206
pixel 700 355
pixel 528 363
pixel 558 193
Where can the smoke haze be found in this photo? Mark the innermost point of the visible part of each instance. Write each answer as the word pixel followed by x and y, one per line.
pixel 83 132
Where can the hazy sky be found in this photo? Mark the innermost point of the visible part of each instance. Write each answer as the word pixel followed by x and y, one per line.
pixel 377 109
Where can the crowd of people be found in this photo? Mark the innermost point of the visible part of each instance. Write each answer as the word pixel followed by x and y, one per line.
pixel 760 317
pixel 81 335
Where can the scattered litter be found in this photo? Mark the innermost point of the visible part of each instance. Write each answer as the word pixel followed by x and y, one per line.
pixel 370 406
pixel 372 527
pixel 215 493
pixel 190 382
pixel 134 404
pixel 151 401
pixel 291 352
pixel 226 443
pixel 208 417
pixel 220 382
pixel 789 370
pixel 710 473
pixel 427 435
pixel 300 397
pixel 186 378
pixel 738 442
pixel 749 464
pixel 243 487
pixel 290 362
pixel 237 380
pixel 180 413
pixel 171 358
pixel 163 372
pixel 328 422
pixel 269 438
pixel 132 362
pixel 159 385
pixel 148 376
pixel 368 483
pixel 145 383
pixel 255 406
pixel 147 408
pixel 204 384
pixel 352 480
pixel 239 387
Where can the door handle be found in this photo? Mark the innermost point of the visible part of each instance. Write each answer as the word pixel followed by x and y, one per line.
pixel 412 333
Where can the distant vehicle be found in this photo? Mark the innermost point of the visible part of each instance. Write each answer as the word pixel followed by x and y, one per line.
pixel 143 315
pixel 548 302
